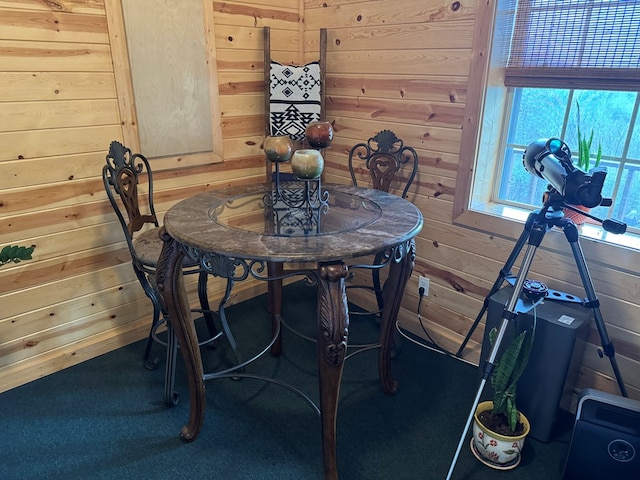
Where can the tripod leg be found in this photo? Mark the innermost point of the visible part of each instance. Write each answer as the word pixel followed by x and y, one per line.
pixel 509 314
pixel 504 273
pixel 571 232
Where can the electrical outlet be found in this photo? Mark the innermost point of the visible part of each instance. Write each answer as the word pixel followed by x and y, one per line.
pixel 423 282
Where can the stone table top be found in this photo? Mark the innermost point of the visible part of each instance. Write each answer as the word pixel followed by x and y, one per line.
pixel 236 222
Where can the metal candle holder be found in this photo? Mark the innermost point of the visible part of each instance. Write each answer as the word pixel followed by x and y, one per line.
pixel 298 203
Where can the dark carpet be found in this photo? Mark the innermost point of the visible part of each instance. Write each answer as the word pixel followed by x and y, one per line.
pixel 105 418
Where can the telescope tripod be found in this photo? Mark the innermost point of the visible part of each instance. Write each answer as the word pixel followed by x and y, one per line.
pixel 538 224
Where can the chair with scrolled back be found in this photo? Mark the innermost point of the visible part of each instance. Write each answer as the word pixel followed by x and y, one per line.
pixel 386 164
pixel 128 181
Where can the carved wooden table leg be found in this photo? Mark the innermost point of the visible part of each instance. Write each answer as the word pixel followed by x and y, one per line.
pixel 399 273
pixel 171 286
pixel 275 303
pixel 333 328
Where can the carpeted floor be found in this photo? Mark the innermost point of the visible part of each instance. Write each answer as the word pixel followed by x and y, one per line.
pixel 105 418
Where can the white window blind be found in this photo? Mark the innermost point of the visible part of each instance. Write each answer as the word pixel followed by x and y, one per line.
pixel 587 44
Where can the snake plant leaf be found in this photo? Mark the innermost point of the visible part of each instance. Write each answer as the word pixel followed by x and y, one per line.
pixel 512 413
pixel 506 374
pixel 503 373
pixel 598 155
pixel 584 147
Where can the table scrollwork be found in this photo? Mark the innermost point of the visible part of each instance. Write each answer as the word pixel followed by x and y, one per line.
pixel 239 269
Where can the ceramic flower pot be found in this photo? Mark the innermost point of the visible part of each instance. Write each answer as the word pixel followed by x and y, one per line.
pixel 307 164
pixel 319 134
pixel 278 148
pixel 497 451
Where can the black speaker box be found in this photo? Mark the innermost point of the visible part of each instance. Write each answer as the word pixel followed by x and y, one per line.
pixel 606 438
pixel 547 384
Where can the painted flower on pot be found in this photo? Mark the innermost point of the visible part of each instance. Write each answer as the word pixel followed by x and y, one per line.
pixel 494 449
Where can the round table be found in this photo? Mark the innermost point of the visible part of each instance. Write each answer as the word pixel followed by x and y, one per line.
pixel 242 232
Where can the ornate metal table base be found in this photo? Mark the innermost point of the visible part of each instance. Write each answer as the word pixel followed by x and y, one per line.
pixel 229 233
pixel 332 336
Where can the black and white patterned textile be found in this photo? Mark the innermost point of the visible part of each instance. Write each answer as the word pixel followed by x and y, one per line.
pixel 295 98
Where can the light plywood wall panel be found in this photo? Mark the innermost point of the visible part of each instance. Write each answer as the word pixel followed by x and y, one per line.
pixel 167 49
pixel 404 66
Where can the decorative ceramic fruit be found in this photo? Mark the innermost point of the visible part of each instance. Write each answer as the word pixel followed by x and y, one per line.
pixel 319 134
pixel 307 164
pixel 278 148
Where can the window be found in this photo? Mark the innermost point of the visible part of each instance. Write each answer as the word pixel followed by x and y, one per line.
pixel 548 56
pixel 553 113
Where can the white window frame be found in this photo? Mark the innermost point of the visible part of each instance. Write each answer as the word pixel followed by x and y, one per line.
pixel 621 159
pixel 483 123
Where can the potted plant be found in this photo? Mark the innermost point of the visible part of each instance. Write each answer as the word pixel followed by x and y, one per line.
pixel 584 164
pixel 15 254
pixel 584 147
pixel 499 428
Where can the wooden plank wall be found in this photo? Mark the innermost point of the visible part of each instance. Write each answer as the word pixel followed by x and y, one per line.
pixel 59 110
pixel 404 65
pixel 401 65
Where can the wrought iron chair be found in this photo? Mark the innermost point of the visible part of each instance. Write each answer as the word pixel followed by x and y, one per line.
pixel 124 175
pixel 388 165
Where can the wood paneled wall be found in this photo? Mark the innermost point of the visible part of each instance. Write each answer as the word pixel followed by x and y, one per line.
pixel 401 65
pixel 405 66
pixel 61 104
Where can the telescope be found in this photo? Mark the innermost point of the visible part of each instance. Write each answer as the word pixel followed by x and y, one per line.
pixel 569 186
pixel 551 159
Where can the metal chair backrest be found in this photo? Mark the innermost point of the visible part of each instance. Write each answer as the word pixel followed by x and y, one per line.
pixel 122 176
pixel 385 157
